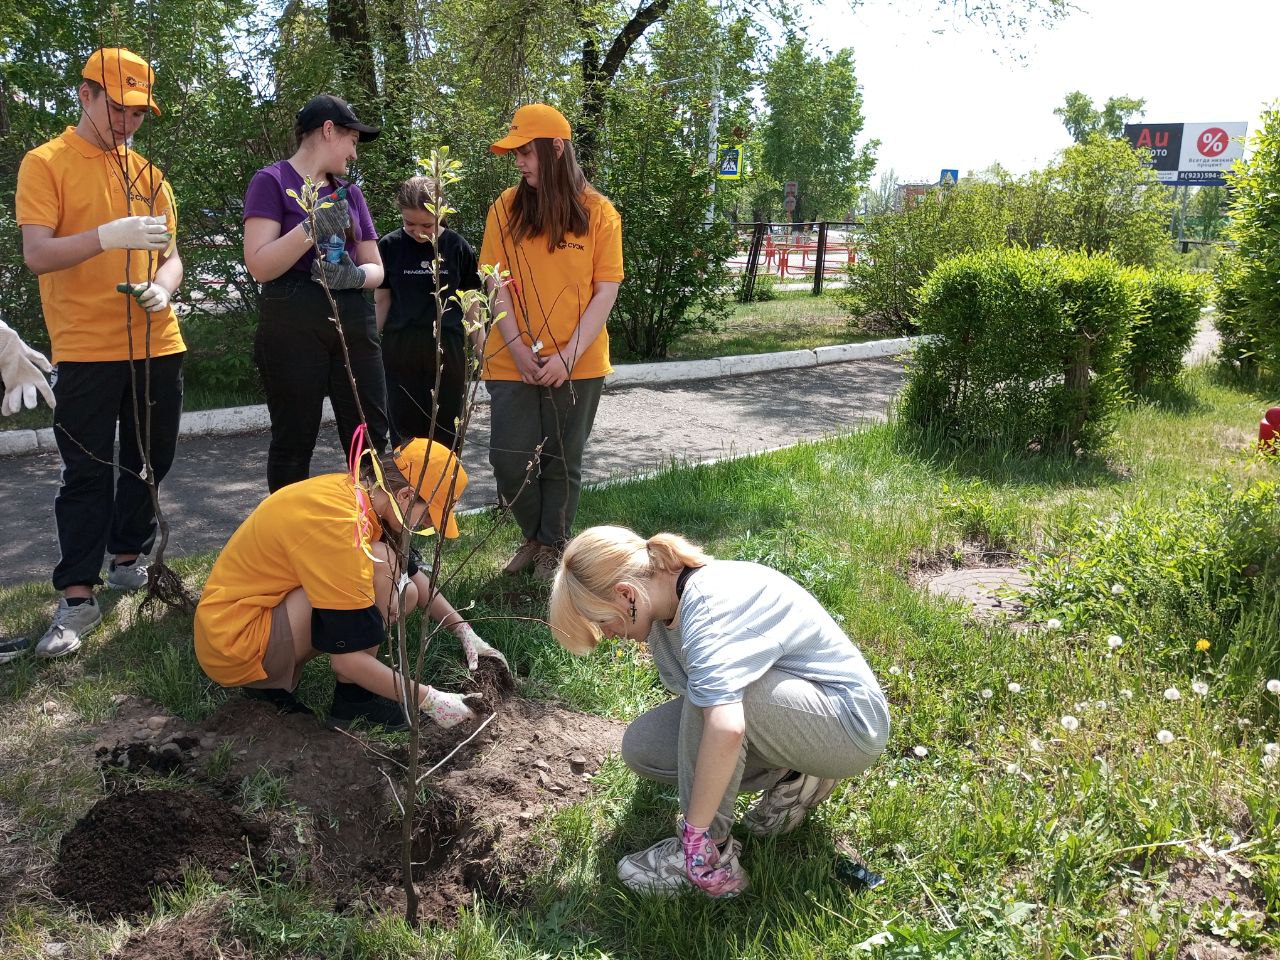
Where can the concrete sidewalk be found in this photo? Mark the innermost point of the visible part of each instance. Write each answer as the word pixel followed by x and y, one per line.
pixel 217 480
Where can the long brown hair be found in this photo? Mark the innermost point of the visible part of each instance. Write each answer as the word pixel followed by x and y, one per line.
pixel 557 206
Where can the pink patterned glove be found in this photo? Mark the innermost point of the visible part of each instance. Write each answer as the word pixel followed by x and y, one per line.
pixel 702 864
pixel 474 648
pixel 446 709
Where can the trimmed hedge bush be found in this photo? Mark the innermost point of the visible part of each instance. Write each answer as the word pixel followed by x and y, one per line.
pixel 1166 316
pixel 1024 347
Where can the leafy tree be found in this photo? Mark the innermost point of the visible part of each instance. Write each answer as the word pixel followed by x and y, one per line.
pixel 815 116
pixel 1249 284
pixel 1082 120
pixel 1099 198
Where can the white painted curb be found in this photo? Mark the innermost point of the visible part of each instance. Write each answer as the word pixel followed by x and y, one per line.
pixel 230 420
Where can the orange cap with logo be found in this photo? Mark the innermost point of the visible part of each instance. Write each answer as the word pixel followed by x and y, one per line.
pixel 125 76
pixel 439 487
pixel 531 122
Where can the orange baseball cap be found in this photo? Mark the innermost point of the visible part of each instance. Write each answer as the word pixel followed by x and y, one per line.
pixel 532 121
pixel 125 76
pixel 439 486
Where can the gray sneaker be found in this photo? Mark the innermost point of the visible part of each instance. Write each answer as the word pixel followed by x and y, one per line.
pixel 70 626
pixel 660 869
pixel 132 576
pixel 784 806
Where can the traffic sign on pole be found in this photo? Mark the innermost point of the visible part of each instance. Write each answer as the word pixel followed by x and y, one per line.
pixel 732 161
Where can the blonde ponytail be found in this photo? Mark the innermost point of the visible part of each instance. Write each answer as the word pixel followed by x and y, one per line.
pixel 597 560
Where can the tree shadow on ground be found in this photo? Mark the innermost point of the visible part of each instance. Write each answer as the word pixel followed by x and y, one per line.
pixel 1001 466
pixel 1264 388
pixel 1172 398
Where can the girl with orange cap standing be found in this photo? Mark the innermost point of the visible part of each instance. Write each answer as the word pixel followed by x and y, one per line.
pixel 559 240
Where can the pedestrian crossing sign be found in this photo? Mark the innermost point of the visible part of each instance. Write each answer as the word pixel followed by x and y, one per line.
pixel 731 162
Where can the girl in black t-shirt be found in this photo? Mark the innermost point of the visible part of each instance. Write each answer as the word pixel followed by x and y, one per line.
pixel 405 306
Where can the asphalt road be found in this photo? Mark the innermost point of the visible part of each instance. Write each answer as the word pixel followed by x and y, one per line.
pixel 216 481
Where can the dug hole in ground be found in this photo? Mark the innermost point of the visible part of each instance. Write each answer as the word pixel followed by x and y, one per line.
pixel 343 836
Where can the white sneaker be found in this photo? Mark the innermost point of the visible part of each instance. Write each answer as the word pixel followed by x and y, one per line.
pixel 131 576
pixel 70 626
pixel 660 869
pixel 784 806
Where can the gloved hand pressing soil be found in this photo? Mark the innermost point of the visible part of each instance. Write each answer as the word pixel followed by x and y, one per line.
pixel 474 648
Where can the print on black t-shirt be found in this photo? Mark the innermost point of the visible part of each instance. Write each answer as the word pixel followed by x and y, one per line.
pixel 411 279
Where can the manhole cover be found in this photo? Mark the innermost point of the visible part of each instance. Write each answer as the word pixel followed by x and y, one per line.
pixel 988 591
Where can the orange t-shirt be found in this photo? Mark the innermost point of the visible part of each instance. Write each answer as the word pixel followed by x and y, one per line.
pixel 553 287
pixel 304 535
pixel 71 186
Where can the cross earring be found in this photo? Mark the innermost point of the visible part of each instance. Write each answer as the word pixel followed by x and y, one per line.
pixel 633 611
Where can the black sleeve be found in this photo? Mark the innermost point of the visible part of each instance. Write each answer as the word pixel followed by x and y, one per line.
pixel 468 266
pixel 386 250
pixel 346 631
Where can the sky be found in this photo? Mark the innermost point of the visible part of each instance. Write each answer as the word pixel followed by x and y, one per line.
pixel 937 95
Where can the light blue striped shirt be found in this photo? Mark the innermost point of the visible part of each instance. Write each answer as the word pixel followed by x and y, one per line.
pixel 739 620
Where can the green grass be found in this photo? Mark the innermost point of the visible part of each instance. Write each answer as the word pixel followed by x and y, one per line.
pixel 1010 837
pixel 796 320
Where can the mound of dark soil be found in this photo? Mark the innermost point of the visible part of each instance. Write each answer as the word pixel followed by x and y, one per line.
pixel 128 844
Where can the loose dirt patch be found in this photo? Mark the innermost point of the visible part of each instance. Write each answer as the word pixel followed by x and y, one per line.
pixel 473 836
pixel 981 578
pixel 1199 882
pixel 129 844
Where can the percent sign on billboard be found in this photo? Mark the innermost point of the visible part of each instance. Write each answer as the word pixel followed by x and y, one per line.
pixel 1190 154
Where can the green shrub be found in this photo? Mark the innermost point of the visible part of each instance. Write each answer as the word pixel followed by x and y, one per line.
pixel 899 249
pixel 1023 348
pixel 1249 286
pixel 1168 575
pixel 1166 317
pixel 763 290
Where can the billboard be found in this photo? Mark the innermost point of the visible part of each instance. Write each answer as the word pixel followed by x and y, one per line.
pixel 1190 154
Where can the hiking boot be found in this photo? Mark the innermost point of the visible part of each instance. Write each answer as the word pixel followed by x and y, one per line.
pixel 128 576
pixel 529 551
pixel 546 564
pixel 14 647
pixel 784 806
pixel 70 626
pixel 282 700
pixel 372 710
pixel 660 869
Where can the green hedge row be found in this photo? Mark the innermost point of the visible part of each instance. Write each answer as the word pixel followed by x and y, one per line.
pixel 1041 347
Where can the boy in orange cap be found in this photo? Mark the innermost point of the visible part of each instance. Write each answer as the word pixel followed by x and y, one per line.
pixel 98 224
pixel 308 573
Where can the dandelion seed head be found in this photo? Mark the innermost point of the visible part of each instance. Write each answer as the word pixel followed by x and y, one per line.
pixel 920 751
pixel 1036 746
pixel 986 693
pixel 895 670
pixel 1172 693
pixel 1014 687
pixel 1115 641
pixel 1272 750
pixel 892 784
pixel 1200 687
pixel 1117 589
pixel 1126 694
pixel 1070 723
pixel 1273 686
pixel 1165 737
pixel 1011 768
pixel 1269 761
pixel 1101 705
pixel 1053 623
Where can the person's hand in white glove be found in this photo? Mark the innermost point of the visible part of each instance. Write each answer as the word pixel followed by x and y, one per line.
pixel 447 709
pixel 150 296
pixel 20 369
pixel 474 648
pixel 135 233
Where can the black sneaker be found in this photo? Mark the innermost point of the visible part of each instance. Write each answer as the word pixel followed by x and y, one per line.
pixel 373 711
pixel 282 700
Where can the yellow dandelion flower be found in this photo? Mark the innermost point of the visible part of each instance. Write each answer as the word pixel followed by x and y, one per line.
pixel 1202 645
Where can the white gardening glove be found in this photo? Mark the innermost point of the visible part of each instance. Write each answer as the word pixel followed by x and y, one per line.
pixel 20 369
pixel 135 233
pixel 152 297
pixel 446 709
pixel 474 648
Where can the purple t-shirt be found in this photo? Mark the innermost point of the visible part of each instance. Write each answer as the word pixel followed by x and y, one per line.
pixel 266 198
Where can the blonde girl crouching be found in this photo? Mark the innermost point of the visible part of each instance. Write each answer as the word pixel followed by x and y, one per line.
pixel 771 694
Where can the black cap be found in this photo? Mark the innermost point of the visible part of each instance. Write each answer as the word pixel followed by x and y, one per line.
pixel 328 107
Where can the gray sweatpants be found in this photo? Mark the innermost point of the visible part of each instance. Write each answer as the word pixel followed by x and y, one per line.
pixel 791 725
pixel 523 416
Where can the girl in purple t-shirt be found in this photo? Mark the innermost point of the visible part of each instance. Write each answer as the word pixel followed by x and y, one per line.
pixel 297 349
